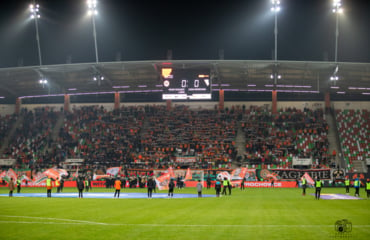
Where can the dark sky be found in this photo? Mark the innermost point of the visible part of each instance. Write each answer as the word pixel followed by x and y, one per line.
pixel 144 30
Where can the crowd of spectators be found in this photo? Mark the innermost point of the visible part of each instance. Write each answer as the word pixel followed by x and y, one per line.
pixel 31 140
pixel 101 137
pixel 154 137
pixel 275 139
pixel 209 135
pixel 354 128
pixel 6 123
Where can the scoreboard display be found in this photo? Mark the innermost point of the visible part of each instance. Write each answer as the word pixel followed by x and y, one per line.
pixel 186 83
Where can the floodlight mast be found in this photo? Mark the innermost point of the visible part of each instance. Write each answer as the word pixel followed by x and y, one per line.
pixel 92 5
pixel 337 9
pixel 275 8
pixel 35 15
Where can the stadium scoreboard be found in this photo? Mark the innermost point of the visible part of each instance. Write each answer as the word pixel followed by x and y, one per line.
pixel 185 84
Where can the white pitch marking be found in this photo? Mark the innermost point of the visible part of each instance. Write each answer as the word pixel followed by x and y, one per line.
pixel 57 219
pixel 157 225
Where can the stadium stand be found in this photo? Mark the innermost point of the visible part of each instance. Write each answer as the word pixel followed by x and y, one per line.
pixel 354 130
pixel 6 124
pixel 31 140
pixel 153 137
pixel 274 140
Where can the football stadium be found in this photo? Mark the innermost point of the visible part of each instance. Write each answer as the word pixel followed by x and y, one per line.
pixel 268 138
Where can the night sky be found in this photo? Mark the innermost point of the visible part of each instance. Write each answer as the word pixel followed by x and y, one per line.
pixel 144 30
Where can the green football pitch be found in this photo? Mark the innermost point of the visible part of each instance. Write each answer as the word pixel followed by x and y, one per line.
pixel 256 213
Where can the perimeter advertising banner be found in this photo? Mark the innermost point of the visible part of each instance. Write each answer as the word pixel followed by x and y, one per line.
pixel 292 174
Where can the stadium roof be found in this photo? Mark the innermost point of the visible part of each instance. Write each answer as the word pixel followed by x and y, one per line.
pixel 144 76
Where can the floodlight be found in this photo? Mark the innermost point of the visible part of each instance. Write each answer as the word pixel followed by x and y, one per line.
pixel 337 9
pixel 334 78
pixel 35 15
pixel 95 78
pixel 35 9
pixel 275 8
pixel 92 11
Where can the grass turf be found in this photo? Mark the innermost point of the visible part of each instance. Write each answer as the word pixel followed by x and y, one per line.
pixel 252 214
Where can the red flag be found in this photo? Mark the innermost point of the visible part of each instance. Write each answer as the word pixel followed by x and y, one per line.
pixel 170 171
pixel 11 174
pixel 162 181
pixel 188 175
pixel 308 178
pixel 113 171
pixel 53 173
pixel 76 173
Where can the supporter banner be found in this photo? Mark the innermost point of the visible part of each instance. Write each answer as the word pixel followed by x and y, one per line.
pixel 301 161
pixel 367 161
pixel 250 175
pixel 113 171
pixel 97 177
pixel 338 174
pixel 7 162
pixel 292 174
pixel 74 160
pixel 186 159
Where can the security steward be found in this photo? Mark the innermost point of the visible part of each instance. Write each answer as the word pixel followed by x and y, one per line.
pixel 225 184
pixel 318 186
pixel 87 185
pixel 304 186
pixel 367 188
pixel 356 184
pixel 19 182
pixel 57 185
pixel 49 186
pixel 347 183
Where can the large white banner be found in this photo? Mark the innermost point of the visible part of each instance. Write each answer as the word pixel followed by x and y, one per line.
pixel 302 161
pixel 7 162
pixel 186 159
